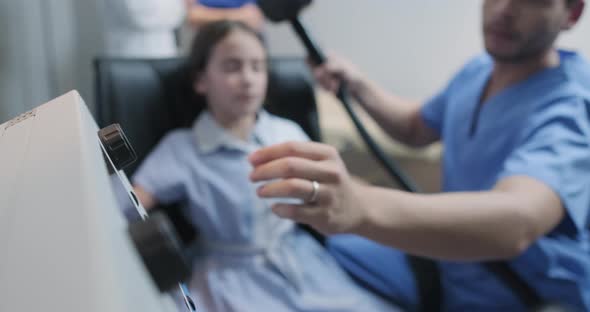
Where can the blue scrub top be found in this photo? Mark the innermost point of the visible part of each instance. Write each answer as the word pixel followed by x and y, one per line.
pixel 539 128
pixel 226 4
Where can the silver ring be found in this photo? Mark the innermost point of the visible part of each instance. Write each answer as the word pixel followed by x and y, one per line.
pixel 314 193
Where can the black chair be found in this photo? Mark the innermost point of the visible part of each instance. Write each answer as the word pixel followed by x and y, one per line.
pixel 149 97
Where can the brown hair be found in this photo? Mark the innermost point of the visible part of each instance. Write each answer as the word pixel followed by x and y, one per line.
pixel 190 104
pixel 207 38
pixel 572 2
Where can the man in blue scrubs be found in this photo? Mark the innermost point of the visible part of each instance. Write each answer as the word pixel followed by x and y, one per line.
pixel 515 123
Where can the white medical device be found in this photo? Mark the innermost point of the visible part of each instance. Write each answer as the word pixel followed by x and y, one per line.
pixel 64 243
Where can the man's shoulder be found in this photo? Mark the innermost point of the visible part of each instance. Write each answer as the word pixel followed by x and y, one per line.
pixel 570 82
pixel 482 60
pixel 577 73
pixel 477 65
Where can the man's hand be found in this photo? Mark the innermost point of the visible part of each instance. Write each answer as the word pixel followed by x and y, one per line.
pixel 296 165
pixel 401 119
pixel 335 71
pixel 147 200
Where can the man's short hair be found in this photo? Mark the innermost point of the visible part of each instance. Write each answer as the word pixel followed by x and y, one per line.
pixel 572 2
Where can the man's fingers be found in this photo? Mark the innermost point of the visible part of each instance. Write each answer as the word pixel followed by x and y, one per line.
pixel 298 213
pixel 307 150
pixel 292 188
pixel 294 167
pixel 328 76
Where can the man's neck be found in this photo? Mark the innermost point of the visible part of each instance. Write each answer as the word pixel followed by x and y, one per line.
pixel 506 74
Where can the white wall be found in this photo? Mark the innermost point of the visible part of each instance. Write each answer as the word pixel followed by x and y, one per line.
pixel 410 46
pixel 46 49
pixel 22 60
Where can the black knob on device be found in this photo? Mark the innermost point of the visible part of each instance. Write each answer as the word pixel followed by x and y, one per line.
pixel 117 146
pixel 157 243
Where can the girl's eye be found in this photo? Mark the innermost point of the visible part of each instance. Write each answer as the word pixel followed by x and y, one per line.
pixel 231 65
pixel 538 3
pixel 259 66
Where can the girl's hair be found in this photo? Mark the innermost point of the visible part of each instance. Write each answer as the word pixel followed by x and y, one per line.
pixel 572 2
pixel 207 38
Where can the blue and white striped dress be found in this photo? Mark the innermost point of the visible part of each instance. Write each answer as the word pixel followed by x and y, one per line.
pixel 249 260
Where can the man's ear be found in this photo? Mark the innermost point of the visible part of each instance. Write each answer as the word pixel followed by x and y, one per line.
pixel 575 13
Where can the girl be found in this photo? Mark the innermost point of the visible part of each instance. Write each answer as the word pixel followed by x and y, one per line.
pixel 250 260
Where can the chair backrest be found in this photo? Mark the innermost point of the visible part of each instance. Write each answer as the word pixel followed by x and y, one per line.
pixel 149 97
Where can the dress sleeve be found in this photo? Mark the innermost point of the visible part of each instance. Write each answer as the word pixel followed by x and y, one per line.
pixel 162 173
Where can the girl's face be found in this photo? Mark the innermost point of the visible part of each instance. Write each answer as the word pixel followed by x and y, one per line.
pixel 235 78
